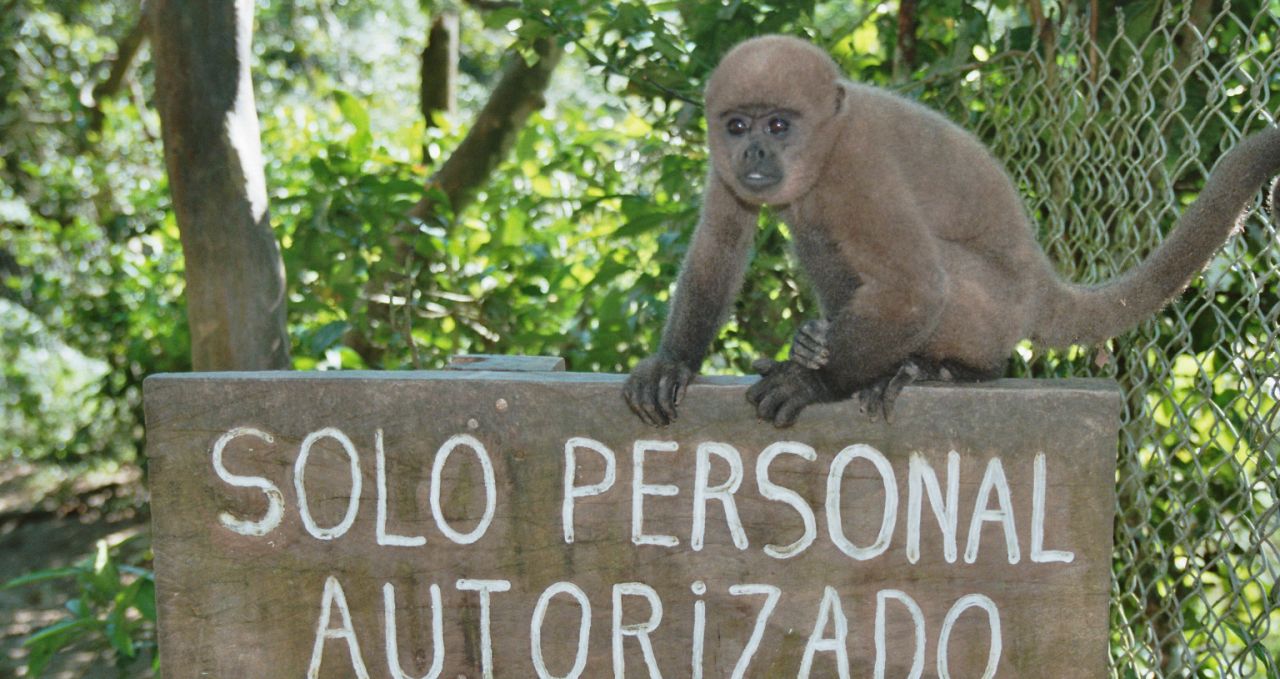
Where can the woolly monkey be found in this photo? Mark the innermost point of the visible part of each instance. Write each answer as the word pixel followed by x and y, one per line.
pixel 912 235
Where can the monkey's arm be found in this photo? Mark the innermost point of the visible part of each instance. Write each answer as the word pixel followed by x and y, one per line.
pixel 709 280
pixel 876 329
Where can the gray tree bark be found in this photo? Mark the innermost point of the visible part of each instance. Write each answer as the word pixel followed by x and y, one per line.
pixel 235 276
pixel 438 91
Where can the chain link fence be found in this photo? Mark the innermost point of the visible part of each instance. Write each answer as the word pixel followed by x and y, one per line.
pixel 1109 137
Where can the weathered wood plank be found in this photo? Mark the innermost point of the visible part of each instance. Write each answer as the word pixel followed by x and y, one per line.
pixel 507 363
pixel 243 572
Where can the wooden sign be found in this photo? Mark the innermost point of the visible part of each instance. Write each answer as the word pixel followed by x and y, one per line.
pixel 483 524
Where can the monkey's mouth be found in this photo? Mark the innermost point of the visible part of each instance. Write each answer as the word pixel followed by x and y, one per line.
pixel 757 180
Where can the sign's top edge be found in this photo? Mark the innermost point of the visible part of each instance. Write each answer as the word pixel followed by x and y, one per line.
pixel 1006 384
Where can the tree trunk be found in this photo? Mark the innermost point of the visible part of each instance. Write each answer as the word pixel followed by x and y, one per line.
pixel 438 91
pixel 904 55
pixel 1191 34
pixel 235 277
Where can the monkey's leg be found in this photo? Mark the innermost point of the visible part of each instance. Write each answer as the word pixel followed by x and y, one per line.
pixel 784 389
pixel 878 399
pixel 809 348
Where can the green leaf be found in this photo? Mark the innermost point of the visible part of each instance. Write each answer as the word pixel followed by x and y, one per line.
pixel 354 112
pixel 641 224
pixel 78 608
pixel 609 270
pixel 499 18
pixel 41 576
pixel 104 580
pixel 38 658
pixel 117 628
pixel 60 634
pixel 146 599
pixel 326 336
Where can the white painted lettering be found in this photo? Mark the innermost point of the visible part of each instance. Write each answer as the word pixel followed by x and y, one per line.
pixel 920 477
pixel 639 489
pixel 485 588
pixel 275 499
pixel 699 628
pixel 584 630
pixel 830 608
pixel 917 617
pixel 572 491
pixel 381 535
pixel 393 641
pixel 490 489
pixel 949 623
pixel 994 478
pixel 333 596
pixel 1038 553
pixel 835 525
pixel 299 484
pixel 771 594
pixel 722 492
pixel 772 491
pixel 639 630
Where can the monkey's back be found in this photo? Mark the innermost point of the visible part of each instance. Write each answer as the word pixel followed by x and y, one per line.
pixel 969 204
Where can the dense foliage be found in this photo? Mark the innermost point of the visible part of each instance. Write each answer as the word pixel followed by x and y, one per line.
pixel 569 248
pixel 571 245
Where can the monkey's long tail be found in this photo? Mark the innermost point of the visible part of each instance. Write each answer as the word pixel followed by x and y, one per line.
pixel 1080 314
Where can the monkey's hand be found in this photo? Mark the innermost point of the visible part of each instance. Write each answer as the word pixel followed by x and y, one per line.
pixel 656 386
pixel 810 348
pixel 784 390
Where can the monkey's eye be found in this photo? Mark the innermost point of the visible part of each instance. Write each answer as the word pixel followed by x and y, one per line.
pixel 737 126
pixel 778 125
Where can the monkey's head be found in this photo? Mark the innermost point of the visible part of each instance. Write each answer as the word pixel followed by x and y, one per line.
pixel 771 104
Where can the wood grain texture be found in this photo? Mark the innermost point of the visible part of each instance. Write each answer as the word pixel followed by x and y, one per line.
pixel 235 605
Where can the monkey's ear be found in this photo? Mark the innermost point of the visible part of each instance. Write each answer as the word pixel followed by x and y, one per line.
pixel 839 97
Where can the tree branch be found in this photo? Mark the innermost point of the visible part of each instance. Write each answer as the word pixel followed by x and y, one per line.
pixel 517 95
pixel 8 267
pixel 1043 29
pixel 957 70
pixel 1190 34
pixel 126 51
pixel 904 54
pixel 490 5
pixel 1094 54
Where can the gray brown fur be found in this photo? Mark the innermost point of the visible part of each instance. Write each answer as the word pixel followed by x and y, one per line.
pixel 914 237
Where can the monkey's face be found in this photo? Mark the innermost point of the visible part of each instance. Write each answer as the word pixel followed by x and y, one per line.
pixel 759 142
pixel 771 104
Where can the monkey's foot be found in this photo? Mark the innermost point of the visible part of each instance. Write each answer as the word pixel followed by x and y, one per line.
pixel 809 348
pixel 878 398
pixel 784 389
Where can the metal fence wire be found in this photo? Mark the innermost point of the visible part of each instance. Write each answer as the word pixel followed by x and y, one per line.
pixel 1108 139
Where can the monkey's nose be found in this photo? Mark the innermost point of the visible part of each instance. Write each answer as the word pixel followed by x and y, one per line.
pixel 754 152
